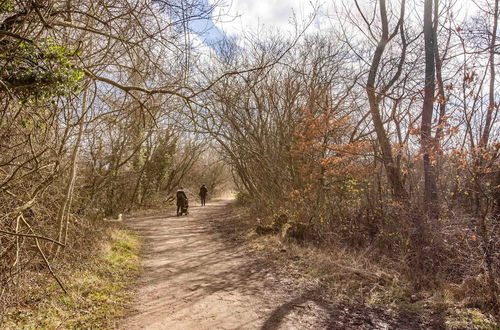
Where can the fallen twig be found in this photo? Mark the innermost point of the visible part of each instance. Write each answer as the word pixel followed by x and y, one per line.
pixel 32 236
pixel 49 267
pixel 43 255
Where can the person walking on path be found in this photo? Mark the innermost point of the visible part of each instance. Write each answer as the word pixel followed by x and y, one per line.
pixel 203 194
pixel 182 201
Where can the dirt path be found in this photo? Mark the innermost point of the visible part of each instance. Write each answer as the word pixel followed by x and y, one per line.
pixel 193 278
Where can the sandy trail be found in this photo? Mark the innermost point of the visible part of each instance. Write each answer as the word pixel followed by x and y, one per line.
pixel 195 279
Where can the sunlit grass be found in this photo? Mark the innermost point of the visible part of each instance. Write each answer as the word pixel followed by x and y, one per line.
pixel 96 296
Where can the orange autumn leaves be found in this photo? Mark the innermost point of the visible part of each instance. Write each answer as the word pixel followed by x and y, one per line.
pixel 327 159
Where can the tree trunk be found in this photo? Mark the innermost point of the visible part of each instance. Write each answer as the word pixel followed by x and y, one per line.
pixel 483 143
pixel 439 80
pixel 488 245
pixel 62 218
pixel 431 202
pixel 393 172
pixel 74 168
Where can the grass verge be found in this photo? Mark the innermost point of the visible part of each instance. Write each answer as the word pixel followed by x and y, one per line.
pixel 97 294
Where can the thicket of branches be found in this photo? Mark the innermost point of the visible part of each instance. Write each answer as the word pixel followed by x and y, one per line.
pixel 89 99
pixel 379 133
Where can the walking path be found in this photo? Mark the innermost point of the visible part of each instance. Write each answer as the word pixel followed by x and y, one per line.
pixel 194 278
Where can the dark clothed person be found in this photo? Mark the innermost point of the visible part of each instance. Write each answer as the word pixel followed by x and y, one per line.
pixel 182 202
pixel 203 194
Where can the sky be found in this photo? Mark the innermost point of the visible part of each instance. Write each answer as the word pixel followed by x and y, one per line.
pixel 239 15
pixel 234 18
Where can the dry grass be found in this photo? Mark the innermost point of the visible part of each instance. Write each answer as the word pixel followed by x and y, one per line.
pixel 97 293
pixel 358 276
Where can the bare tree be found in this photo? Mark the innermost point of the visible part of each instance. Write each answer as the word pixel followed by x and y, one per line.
pixel 431 201
pixel 376 95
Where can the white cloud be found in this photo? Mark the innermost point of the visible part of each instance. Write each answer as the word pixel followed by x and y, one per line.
pixel 241 16
pixel 237 17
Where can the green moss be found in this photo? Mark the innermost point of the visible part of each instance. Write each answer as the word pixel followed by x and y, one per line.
pixel 6 6
pixel 96 295
pixel 470 318
pixel 391 295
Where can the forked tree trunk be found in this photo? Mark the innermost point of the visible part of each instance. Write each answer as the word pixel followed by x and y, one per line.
pixel 393 172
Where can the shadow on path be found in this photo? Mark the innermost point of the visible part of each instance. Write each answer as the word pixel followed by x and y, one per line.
pixel 194 277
